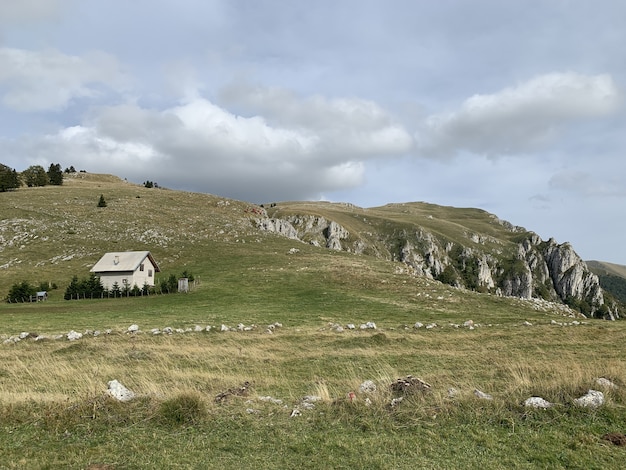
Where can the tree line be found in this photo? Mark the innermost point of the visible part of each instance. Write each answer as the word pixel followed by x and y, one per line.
pixel 32 176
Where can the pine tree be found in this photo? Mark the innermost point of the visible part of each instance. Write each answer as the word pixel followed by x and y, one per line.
pixel 55 174
pixel 102 202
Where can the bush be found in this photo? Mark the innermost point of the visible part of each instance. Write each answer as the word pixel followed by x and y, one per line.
pixel 101 201
pixel 21 292
pixel 186 408
pixel 9 179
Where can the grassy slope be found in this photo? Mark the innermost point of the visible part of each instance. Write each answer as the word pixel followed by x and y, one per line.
pixel 53 413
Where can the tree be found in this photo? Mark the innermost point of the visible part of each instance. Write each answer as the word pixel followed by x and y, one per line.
pixel 148 184
pixel 102 202
pixel 55 174
pixel 9 179
pixel 35 175
pixel 21 292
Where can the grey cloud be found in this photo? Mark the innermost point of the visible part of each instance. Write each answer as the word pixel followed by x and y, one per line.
pixel 50 80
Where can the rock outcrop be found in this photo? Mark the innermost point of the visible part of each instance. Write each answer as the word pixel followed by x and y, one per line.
pixel 518 264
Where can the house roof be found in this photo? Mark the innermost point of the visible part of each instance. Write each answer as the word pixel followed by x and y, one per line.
pixel 123 261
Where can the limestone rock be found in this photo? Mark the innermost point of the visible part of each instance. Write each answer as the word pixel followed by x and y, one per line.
pixel 592 399
pixel 606 383
pixel 367 387
pixel 537 402
pixel 119 392
pixel 73 335
pixel 482 395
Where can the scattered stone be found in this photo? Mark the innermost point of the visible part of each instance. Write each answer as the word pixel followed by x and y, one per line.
pixel 418 325
pixel 119 392
pixel 592 399
pixel 224 328
pixel 275 401
pixel 252 411
pixel 295 412
pixel 453 392
pixel 468 323
pixel 168 330
pixel 198 328
pixel 368 402
pixel 73 335
pixel 293 251
pixel 24 335
pixel 133 328
pixel 537 402
pixel 482 395
pixel 367 387
pixel 409 384
pixel 97 333
pixel 431 326
pixel 616 438
pixel 351 326
pixel 208 328
pixel 241 391
pixel 155 331
pixel 604 382
pixel 370 325
pixel 527 323
pixel 269 331
pixel 396 401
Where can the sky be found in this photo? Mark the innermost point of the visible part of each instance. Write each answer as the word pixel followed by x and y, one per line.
pixel 515 107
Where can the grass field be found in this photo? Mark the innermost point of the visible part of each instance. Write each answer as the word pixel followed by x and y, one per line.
pixel 55 411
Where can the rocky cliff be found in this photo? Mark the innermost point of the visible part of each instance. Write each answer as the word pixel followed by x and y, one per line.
pixel 518 264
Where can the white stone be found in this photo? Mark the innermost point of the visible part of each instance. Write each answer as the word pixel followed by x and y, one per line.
pixel 527 323
pixel 224 328
pixel 198 328
pixel 24 335
pixel 603 382
pixel 537 402
pixel 133 328
pixel 73 335
pixel 468 323
pixel 208 328
pixel 276 401
pixel 119 392
pixel 396 401
pixel 453 392
pixel 367 387
pixel 418 325
pixel 592 399
pixel 482 395
pixel 351 326
pixel 295 412
pixel 371 325
pixel 155 331
pixel 168 330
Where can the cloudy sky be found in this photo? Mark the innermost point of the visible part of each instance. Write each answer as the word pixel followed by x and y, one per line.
pixel 516 107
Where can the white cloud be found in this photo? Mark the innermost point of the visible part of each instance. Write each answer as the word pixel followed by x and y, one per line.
pixel 201 146
pixel 520 118
pixel 50 80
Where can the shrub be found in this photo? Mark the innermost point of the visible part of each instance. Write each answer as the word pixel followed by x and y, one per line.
pixel 186 408
pixel 101 201
pixel 21 292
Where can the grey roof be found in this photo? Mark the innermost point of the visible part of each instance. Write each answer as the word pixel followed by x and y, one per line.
pixel 123 261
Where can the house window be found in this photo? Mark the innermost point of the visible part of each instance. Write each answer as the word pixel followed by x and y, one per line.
pixel 141 267
pixel 149 272
pixel 125 281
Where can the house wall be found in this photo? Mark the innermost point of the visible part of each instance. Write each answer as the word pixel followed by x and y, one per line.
pixel 138 278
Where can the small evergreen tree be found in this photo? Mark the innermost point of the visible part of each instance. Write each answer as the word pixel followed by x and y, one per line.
pixel 115 290
pixel 21 292
pixel 102 202
pixel 55 174
pixel 9 179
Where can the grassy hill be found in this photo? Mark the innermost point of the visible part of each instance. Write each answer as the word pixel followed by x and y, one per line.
pixel 226 399
pixel 612 278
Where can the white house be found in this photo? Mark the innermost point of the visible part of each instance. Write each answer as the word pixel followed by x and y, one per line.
pixel 127 268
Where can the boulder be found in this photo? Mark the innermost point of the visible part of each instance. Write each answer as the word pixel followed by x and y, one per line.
pixel 119 392
pixel 592 399
pixel 537 402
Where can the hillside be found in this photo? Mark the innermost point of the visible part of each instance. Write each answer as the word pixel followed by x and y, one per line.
pixel 612 278
pixel 51 233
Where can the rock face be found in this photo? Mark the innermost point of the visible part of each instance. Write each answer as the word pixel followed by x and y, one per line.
pixel 518 263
